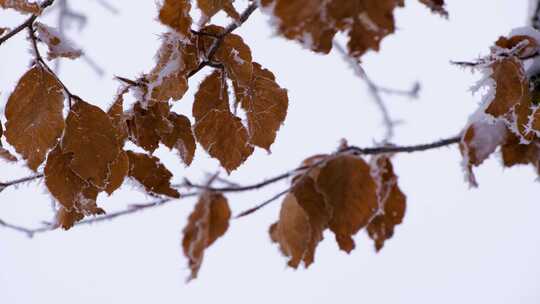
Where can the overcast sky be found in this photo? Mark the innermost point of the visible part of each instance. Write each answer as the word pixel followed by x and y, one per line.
pixel 456 245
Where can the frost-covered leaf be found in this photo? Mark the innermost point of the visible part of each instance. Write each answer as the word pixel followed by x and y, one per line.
pixel 437 6
pixel 4 153
pixel 349 189
pixel 144 126
pixel 180 137
pixel 392 202
pixel 211 7
pixel 265 103
pixel 118 119
pixel 76 196
pixel 233 53
pixel 151 173
pixel 119 170
pixel 34 115
pixel 303 217
pixel 315 22
pixel 176 58
pixel 220 133
pixel 175 14
pixel 515 153
pixel 58 44
pixel 208 221
pixel 91 140
pixel 22 6
pixel 480 139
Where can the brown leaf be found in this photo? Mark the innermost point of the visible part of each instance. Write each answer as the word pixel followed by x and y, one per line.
pixel 22 6
pixel 208 221
pixel 91 139
pixel 220 133
pixel 175 14
pixel 530 45
pixel 151 173
pixel 176 58
pixel 392 202
pixel 5 154
pixel 144 126
pixel 181 137
pixel 265 103
pixel 512 96
pixel 347 185
pixel 303 217
pixel 514 153
pixel 118 119
pixel 34 115
pixel 436 6
pixel 315 22
pixel 233 53
pixel 211 7
pixel 76 196
pixel 119 170
pixel 479 141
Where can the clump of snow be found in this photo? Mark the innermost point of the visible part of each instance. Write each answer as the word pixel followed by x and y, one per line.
pixel 58 44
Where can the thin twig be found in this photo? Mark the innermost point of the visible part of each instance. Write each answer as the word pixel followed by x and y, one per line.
pixel 217 43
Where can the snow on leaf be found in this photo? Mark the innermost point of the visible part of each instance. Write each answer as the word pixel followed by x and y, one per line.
pixel 220 133
pixel 392 202
pixel 4 153
pixel 76 196
pixel 211 7
pixel 480 139
pixel 91 140
pixel 168 79
pixel 303 217
pixel 208 221
pixel 265 103
pixel 315 22
pixel 58 44
pixel 22 6
pixel 175 14
pixel 151 173
pixel 348 187
pixel 436 6
pixel 34 115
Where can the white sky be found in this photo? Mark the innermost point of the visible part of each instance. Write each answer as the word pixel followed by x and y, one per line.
pixel 456 245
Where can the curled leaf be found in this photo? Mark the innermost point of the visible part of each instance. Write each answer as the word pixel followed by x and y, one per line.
pixel 208 222
pixel 151 173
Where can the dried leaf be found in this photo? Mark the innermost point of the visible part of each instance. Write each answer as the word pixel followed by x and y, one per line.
pixel 176 58
pixel 392 202
pixel 4 153
pixel 144 126
pixel 315 22
pixel 181 137
pixel 77 196
pixel 118 119
pixel 479 141
pixel 265 103
pixel 303 217
pixel 119 170
pixel 208 221
pixel 58 44
pixel 348 187
pixel 22 6
pixel 211 7
pixel 436 6
pixel 151 173
pixel 92 140
pixel 233 53
pixel 175 14
pixel 34 115
pixel 220 133
pixel 514 153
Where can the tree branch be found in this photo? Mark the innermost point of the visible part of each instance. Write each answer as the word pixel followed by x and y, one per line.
pixel 25 24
